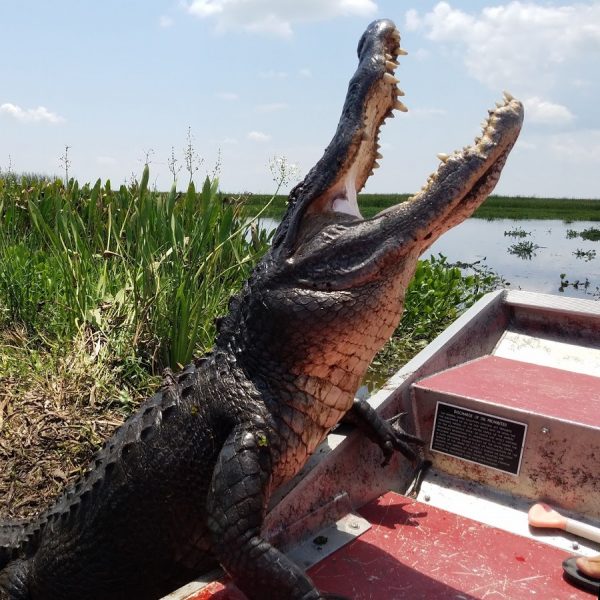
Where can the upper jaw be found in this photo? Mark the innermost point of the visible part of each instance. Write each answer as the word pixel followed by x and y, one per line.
pixel 332 184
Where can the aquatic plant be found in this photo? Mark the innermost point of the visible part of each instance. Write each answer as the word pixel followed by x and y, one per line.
pixel 591 234
pixel 517 232
pixel 577 284
pixel 587 255
pixel 525 250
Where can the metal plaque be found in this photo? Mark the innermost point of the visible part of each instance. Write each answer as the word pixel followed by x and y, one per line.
pixel 477 437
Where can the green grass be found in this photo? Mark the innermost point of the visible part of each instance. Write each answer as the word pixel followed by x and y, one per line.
pixel 519 207
pixel 100 289
pixel 151 271
pixel 495 207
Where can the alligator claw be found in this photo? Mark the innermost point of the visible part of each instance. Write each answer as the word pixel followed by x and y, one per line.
pixel 398 440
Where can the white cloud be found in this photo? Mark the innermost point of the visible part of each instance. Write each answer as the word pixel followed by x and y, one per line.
pixel 271 107
pixel 107 161
pixel 276 17
pixel 205 8
pixel 577 147
pixel 420 54
pixel 543 111
pixel 412 22
pixel 165 22
pixel 30 115
pixel 258 136
pixel 229 96
pixel 518 43
pixel 525 145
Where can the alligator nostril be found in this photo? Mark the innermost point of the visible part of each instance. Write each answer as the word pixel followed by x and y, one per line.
pixel 427 236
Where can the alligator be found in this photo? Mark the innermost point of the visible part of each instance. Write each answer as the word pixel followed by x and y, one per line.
pixel 184 484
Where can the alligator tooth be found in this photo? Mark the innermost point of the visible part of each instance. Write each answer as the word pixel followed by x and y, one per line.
pixel 401 107
pixel 388 56
pixel 378 155
pixel 375 165
pixel 390 65
pixel 399 92
pixel 443 156
pixel 389 78
pixel 499 105
pixel 401 51
pixel 508 96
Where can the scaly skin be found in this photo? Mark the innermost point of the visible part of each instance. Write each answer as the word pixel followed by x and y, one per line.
pixel 184 484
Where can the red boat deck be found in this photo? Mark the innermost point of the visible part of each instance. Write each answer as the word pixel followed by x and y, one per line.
pixel 523 386
pixel 418 552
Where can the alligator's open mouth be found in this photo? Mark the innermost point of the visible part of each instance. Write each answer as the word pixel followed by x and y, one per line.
pixel 372 97
pixel 328 194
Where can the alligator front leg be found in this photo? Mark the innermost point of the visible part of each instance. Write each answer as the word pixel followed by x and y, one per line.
pixel 236 508
pixel 387 434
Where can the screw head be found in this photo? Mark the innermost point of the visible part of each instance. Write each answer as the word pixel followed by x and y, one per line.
pixel 427 497
pixel 575 545
pixel 353 525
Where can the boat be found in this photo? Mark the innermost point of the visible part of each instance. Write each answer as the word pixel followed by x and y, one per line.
pixel 507 400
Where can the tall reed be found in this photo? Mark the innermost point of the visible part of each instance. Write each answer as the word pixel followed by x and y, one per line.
pixel 149 270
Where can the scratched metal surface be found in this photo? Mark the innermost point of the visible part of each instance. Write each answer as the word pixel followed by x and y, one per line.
pixel 420 552
pixel 561 456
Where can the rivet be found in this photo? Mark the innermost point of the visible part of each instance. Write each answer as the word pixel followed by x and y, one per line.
pixel 353 525
pixel 575 546
pixel 545 430
pixel 427 497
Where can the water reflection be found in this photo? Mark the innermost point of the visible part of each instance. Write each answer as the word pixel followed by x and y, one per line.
pixel 524 250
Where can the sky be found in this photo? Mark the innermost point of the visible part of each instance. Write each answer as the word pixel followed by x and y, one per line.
pixel 253 81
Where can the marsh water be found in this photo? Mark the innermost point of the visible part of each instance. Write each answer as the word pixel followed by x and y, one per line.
pixel 517 259
pixel 520 263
